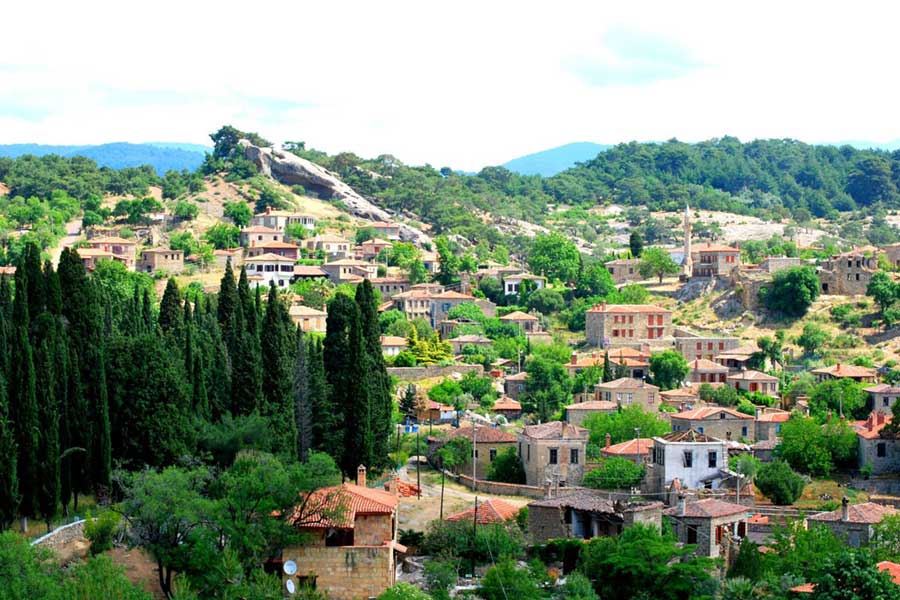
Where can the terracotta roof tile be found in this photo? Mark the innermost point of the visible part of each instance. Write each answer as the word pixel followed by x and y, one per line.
pixel 702 364
pixel 626 383
pixel 840 370
pixel 751 375
pixel 492 510
pixel 628 308
pixel 484 435
pixel 709 412
pixel 639 446
pixel 555 430
pixel 518 316
pixel 709 508
pixel 689 435
pixel 867 512
pixel 507 403
pixel 594 405
pixel 338 506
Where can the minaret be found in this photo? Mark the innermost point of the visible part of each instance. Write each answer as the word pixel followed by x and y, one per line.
pixel 687 262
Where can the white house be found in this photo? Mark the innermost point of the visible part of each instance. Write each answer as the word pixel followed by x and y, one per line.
pixel 694 459
pixel 270 267
pixel 511 283
pixel 279 219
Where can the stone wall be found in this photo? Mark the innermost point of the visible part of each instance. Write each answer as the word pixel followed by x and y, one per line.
pixel 546 523
pixel 372 530
pixel 502 489
pixel 61 535
pixel 881 465
pixel 419 373
pixel 344 572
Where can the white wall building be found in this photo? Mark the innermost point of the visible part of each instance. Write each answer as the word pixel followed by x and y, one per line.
pixel 270 267
pixel 693 458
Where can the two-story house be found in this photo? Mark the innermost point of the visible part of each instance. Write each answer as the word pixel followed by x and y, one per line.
pixel 705 347
pixel 627 391
pixel 269 268
pixel 716 421
pixel 624 270
pixel 308 318
pixel 715 260
pixel 843 371
pixel 386 230
pixel 488 443
pixel 284 249
pixel 612 325
pixel 280 219
pixel 334 247
pixel 855 524
pixel 695 459
pixel 256 236
pixel 163 260
pixel 883 397
pixel 513 282
pixel 122 250
pixel 754 381
pixel 706 523
pixel 553 452
pixel 348 270
pixel 706 371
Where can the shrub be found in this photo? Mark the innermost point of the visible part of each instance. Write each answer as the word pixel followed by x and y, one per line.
pixel 403 591
pixel 100 531
pixel 614 473
pixel 507 468
pixel 504 581
pixel 778 482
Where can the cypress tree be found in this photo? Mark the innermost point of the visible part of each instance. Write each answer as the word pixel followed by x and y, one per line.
pixel 247 304
pixel 102 446
pixel 187 318
pixel 147 312
pixel 9 483
pixel 303 409
pixel 23 402
pixel 170 310
pixel 6 324
pixel 359 410
pixel 48 448
pixel 75 436
pixel 378 382
pixel 327 435
pixel 227 300
pixel 246 374
pixel 34 279
pixel 342 311
pixel 607 368
pixel 278 405
pixel 199 397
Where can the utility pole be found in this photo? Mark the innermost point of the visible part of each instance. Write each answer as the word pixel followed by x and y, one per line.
pixel 418 463
pixel 475 489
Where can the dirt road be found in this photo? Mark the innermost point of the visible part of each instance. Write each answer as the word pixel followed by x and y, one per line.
pixel 73 234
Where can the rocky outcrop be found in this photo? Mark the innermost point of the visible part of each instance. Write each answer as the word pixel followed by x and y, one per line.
pixel 290 169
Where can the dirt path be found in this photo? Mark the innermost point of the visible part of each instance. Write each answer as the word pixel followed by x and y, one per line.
pixel 73 234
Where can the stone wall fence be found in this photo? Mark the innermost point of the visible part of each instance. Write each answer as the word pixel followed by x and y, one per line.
pixel 431 371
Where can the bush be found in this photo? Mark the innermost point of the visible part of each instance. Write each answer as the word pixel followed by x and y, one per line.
pixel 504 581
pixel 614 473
pixel 792 291
pixel 492 542
pixel 403 591
pixel 440 576
pixel 100 531
pixel 507 468
pixel 779 483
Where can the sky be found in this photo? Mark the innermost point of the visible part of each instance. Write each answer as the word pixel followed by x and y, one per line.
pixel 460 84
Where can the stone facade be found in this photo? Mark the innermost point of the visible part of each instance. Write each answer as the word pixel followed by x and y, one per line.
pixel 161 259
pixel 847 274
pixel 854 524
pixel 715 260
pixel 883 397
pixel 694 459
pixel 880 453
pixel 707 523
pixel 754 381
pixel 627 391
pixel 578 412
pixel 613 325
pixel 624 270
pixel 489 443
pixel 706 347
pixel 345 572
pixel 553 452
pixel 717 422
pixel 586 514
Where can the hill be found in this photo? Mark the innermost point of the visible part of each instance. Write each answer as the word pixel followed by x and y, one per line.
pixel 162 156
pixel 547 163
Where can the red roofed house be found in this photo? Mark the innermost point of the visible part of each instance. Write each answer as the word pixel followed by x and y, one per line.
pixel 509 408
pixel 854 523
pixel 706 523
pixel 577 413
pixel 636 450
pixel 839 371
pixel 388 230
pixel 883 397
pixel 553 452
pixel 353 541
pixel 258 235
pixel 491 510
pixel 612 325
pixel 715 260
pixel 754 381
pixel 716 421
pixel 514 385
pixel 527 323
pixel 882 454
pixel 122 250
pixel 489 443
pixel 585 513
pixel 284 249
pixel 769 422
pixel 370 249
pixel 703 370
pixel 627 391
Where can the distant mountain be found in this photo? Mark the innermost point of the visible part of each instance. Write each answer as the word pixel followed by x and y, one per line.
pixel 555 160
pixel 162 156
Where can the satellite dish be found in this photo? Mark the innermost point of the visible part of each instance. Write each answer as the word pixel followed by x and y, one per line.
pixel 290 567
pixel 289 584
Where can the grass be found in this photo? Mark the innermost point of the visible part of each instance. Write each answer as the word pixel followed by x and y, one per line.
pixel 836 488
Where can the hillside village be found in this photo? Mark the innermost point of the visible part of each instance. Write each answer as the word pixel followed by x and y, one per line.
pixel 709 388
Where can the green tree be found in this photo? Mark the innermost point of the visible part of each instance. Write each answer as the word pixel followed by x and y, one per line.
pixel 886 539
pixel 778 482
pixel 852 575
pixel 239 212
pixel 342 311
pixel 668 368
pixel 815 449
pixel 636 243
pixel 621 426
pixel 656 262
pixel 871 181
pixel 555 256
pixel 546 301
pixel 304 409
pixel 507 468
pixel 9 484
pixel 812 339
pixel 170 309
pixel 448 270
pixel 838 396
pixel 594 280
pixel 792 291
pixel 222 236
pixel 614 473
pixel 505 580
pixel 277 343
pixel 547 388
pixel 403 591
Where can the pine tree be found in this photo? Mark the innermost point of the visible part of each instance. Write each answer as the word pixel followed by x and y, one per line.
pixel 278 403
pixel 408 403
pixel 303 410
pixel 23 402
pixel 48 489
pixel 170 310
pixel 9 483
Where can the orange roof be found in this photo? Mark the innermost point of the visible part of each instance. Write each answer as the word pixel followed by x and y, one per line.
pixel 639 446
pixel 259 229
pixel 484 435
pixel 594 405
pixel 507 403
pixel 282 245
pixel 867 512
pixel 870 429
pixel 708 508
pixel 492 510
pixel 708 247
pixel 702 364
pixel 708 412
pixel 891 568
pixel 393 340
pixel 751 375
pixel 328 504
pixel 450 295
pixel 774 417
pixel 309 271
pixel 93 252
pixel 518 316
pixel 269 257
pixel 840 370
pixel 626 383
pixel 627 308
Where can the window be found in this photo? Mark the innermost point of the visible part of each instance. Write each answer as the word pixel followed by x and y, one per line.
pixel 528 456
pixel 476 453
pixel 688 459
pixel 722 415
pixel 573 456
pixel 885 402
pixel 553 456
pixel 493 454
pixel 699 430
pixel 744 431
pixel 520 450
pixel 699 345
pixel 691 534
pixel 881 450
pixel 713 458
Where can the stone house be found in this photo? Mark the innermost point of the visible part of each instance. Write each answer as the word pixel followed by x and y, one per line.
pixel 334 247
pixel 853 523
pixel 488 511
pixel 769 422
pixel 553 452
pixel 348 270
pixel 161 259
pixel 415 304
pixel 512 283
pixel 736 359
pixel 489 443
pixel 280 219
pixel 351 550
pixel 754 381
pixel 636 450
pixel 880 453
pixel 683 398
pixel 848 274
pixel 695 459
pixel 508 408
pixel 706 523
pixel 392 345
pixel 390 286
pixel 614 325
pixel 514 385
pixel 883 397
pixel 370 249
pixel 308 318
pixel 696 347
pixel 716 421
pixel 839 371
pixel 624 270
pixel 578 412
pixel 122 250
pixel 309 272
pixel 703 370
pixel 525 322
pixel 441 304
pixel 91 256
pixel 284 249
pixel 268 268
pixel 626 391
pixel 387 230
pixel 235 255
pixel 473 339
pixel 256 236
pixel 773 264
pixel 585 514
pixel 715 260
pixel 431 261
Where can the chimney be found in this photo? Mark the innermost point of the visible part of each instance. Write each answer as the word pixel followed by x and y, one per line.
pixel 845 510
pixel 361 476
pixel 682 505
pixel 268 210
pixel 593 355
pixel 837 368
pixel 870 422
pixel 394 486
pixel 574 358
pixel 759 412
pixel 547 488
pixel 608 440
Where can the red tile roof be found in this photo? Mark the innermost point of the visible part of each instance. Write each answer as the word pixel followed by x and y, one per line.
pixel 555 430
pixel 774 417
pixel 867 512
pixel 751 375
pixel 484 435
pixel 639 446
pixel 689 435
pixel 626 383
pixel 493 510
pixel 840 370
pixel 627 308
pixel 594 405
pixel 507 403
pixel 883 388
pixel 702 364
pixel 709 508
pixel 708 247
pixel 870 429
pixel 709 412
pixel 518 316
pixel 338 506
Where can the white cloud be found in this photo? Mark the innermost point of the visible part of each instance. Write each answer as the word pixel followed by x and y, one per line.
pixel 462 84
